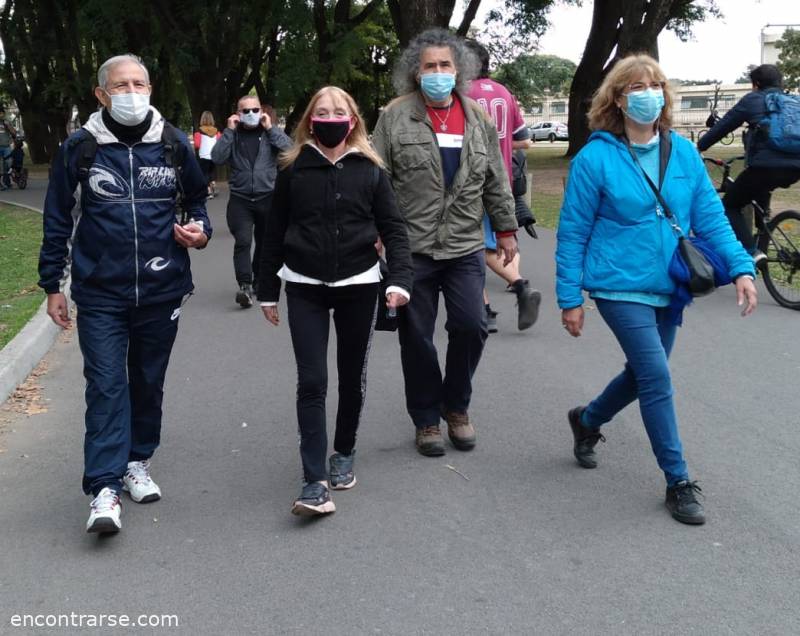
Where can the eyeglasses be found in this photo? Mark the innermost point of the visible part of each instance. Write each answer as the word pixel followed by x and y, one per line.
pixel 247 111
pixel 641 86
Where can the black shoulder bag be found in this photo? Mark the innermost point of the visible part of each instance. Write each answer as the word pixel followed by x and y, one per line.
pixel 701 272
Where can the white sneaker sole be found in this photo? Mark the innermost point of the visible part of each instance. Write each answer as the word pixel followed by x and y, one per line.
pixel 344 486
pixel 104 525
pixel 149 498
pixel 305 510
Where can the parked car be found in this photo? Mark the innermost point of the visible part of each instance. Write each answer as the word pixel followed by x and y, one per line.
pixel 550 130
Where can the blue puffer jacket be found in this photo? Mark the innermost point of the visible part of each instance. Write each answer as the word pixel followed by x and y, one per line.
pixel 123 249
pixel 751 109
pixel 610 236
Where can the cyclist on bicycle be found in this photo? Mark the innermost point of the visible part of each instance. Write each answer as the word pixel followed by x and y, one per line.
pixel 7 136
pixel 17 156
pixel 766 169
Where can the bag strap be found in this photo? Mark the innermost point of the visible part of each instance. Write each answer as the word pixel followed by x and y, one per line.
pixel 662 168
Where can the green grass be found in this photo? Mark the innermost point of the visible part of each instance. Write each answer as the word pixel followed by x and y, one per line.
pixel 20 239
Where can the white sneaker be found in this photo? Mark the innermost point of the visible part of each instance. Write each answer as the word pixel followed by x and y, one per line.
pixel 104 516
pixel 137 482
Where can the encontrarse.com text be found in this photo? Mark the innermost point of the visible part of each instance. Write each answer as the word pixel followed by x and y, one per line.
pixel 73 619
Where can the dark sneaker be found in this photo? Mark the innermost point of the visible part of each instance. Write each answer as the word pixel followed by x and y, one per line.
pixel 245 295
pixel 682 502
pixel 528 301
pixel 314 500
pixel 429 441
pixel 459 429
pixel 341 471
pixel 585 439
pixel 491 320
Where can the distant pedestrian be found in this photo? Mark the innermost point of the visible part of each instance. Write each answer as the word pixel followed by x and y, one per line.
pixel 205 138
pixel 249 146
pixel 332 202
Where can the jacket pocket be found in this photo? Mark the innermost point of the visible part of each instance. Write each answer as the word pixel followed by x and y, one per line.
pixel 415 151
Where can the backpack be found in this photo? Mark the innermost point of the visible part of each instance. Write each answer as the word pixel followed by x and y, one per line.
pixel 781 126
pixel 85 144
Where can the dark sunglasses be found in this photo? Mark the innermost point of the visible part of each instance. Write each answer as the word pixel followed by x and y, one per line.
pixel 247 111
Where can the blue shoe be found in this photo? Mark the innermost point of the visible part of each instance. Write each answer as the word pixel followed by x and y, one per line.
pixel 314 500
pixel 341 473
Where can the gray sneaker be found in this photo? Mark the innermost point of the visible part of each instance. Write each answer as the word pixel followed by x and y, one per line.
pixel 341 471
pixel 245 295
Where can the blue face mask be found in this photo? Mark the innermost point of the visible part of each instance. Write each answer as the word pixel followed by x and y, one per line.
pixel 437 86
pixel 645 106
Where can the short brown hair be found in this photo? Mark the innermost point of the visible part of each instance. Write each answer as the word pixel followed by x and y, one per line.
pixel 604 114
pixel 206 119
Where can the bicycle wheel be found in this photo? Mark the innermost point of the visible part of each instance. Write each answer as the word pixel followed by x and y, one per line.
pixel 782 269
pixel 22 182
pixel 727 140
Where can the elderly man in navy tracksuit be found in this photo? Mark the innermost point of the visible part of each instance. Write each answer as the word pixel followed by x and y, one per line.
pixel 130 273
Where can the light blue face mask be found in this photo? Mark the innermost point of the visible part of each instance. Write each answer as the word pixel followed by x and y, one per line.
pixel 645 106
pixel 437 86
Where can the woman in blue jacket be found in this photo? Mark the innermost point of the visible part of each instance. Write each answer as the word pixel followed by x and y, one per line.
pixel 615 242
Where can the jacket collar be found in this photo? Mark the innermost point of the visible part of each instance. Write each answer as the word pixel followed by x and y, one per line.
pixel 100 131
pixel 311 156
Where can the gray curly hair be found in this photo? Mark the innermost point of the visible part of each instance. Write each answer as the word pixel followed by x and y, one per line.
pixel 404 75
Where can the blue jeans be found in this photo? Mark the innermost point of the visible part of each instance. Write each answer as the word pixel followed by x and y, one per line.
pixel 646 338
pixel 5 153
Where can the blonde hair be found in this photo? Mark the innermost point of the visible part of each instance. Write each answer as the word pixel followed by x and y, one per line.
pixel 357 139
pixel 206 119
pixel 604 114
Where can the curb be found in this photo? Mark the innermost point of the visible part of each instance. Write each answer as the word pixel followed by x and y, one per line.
pixel 20 356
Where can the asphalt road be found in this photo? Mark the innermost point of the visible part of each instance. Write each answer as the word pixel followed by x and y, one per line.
pixel 525 542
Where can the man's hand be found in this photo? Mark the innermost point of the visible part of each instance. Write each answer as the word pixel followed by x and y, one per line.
pixel 395 300
pixel 746 294
pixel 572 319
pixel 266 122
pixel 233 121
pixel 190 235
pixel 507 247
pixel 271 314
pixel 58 310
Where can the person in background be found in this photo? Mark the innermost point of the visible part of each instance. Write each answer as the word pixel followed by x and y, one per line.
pixel 205 138
pixel 615 242
pixel 249 146
pixel 512 133
pixel 332 202
pixel 766 168
pixel 7 136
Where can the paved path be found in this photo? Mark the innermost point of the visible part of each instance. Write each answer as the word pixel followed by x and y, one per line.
pixel 530 543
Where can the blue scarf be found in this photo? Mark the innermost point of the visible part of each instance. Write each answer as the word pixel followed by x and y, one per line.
pixel 679 273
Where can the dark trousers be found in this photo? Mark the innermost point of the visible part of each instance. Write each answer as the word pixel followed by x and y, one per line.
pixel 246 218
pixel 461 281
pixel 354 308
pixel 209 169
pixel 125 355
pixel 754 183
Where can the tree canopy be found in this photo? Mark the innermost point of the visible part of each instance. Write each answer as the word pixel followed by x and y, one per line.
pixel 789 58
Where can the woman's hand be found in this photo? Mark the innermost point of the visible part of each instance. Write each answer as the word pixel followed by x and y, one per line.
pixel 746 294
pixel 271 314
pixel 572 319
pixel 394 300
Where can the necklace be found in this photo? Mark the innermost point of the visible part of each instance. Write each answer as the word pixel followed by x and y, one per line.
pixel 443 122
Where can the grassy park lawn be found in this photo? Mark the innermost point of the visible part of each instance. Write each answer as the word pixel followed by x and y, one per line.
pixel 548 167
pixel 20 239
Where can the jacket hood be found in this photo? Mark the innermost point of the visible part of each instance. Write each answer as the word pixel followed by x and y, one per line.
pixel 211 131
pixel 100 131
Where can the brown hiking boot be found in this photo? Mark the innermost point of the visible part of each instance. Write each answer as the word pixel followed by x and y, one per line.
pixel 429 441
pixel 460 431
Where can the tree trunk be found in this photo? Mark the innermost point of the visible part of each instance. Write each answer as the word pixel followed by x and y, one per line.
pixel 411 17
pixel 619 27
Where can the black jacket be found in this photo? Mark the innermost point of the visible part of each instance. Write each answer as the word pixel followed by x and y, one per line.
pixel 751 109
pixel 325 219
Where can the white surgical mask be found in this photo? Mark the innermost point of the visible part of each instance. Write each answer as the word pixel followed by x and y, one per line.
pixel 250 119
pixel 129 109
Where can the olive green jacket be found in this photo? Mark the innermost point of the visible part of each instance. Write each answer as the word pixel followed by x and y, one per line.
pixel 444 223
